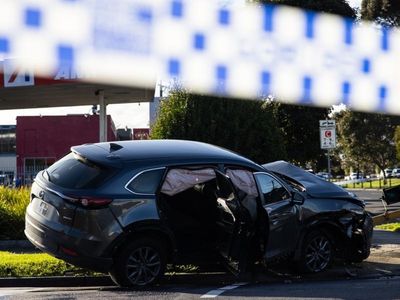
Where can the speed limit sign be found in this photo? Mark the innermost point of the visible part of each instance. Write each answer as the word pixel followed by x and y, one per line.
pixel 328 134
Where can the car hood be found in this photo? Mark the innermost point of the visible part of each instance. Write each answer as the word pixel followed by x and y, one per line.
pixel 316 187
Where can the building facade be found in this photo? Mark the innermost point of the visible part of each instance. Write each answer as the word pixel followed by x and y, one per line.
pixel 8 158
pixel 41 140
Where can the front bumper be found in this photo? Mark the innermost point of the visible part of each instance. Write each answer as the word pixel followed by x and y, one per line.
pixel 61 245
pixel 361 240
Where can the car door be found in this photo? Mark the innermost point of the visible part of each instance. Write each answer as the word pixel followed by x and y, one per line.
pixel 233 224
pixel 283 215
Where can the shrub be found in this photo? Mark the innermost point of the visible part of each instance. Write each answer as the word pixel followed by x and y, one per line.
pixel 13 203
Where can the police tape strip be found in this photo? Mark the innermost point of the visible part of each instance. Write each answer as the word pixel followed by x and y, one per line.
pixel 248 52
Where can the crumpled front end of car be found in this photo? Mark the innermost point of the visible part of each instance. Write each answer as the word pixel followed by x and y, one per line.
pixel 359 232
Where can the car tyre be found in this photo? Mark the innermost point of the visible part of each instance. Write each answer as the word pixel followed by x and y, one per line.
pixel 316 253
pixel 140 263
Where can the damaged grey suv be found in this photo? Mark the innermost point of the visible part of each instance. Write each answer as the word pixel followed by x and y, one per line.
pixel 130 208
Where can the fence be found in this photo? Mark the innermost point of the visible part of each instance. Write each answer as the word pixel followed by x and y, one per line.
pixel 12 177
pixel 378 183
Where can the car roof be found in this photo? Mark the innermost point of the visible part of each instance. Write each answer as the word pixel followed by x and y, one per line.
pixel 113 153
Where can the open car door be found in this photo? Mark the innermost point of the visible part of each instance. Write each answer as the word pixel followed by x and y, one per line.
pixel 234 226
pixel 391 195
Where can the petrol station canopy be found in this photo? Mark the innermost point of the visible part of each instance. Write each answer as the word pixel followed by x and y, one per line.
pixel 22 89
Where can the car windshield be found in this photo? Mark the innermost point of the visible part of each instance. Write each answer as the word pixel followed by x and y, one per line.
pixel 75 171
pixel 293 183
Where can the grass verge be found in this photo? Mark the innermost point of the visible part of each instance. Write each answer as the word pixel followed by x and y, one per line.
pixel 374 184
pixel 395 227
pixel 44 265
pixel 36 265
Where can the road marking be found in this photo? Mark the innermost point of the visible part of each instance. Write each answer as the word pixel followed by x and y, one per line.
pixel 383 271
pixel 7 292
pixel 216 293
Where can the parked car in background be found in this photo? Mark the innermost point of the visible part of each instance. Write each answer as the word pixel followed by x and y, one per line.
pixel 396 173
pixel 388 173
pixel 130 208
pixel 355 176
pixel 323 175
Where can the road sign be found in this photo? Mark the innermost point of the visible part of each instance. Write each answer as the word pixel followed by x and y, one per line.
pixel 327 123
pixel 327 134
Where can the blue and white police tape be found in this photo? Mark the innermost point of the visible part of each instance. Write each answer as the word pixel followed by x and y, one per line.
pixel 249 52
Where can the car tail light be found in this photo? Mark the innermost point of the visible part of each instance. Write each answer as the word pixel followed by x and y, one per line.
pixel 94 202
pixel 91 202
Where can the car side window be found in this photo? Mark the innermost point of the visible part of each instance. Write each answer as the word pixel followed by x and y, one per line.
pixel 146 182
pixel 271 189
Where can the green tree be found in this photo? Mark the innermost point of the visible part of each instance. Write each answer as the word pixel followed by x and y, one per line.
pixel 300 127
pixel 384 12
pixel 338 7
pixel 367 138
pixel 300 124
pixel 247 127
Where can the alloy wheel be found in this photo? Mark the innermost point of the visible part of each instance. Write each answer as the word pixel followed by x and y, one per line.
pixel 318 253
pixel 143 266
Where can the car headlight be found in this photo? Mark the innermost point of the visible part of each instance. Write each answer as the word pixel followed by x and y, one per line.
pixel 357 209
pixel 352 195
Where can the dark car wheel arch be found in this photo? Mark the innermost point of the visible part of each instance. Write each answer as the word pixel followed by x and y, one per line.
pixel 141 262
pixel 317 252
pixel 334 231
pixel 135 232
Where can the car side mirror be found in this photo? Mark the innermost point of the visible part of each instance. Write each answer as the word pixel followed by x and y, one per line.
pixel 297 198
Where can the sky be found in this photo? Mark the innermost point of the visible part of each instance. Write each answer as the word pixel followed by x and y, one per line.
pixel 124 115
pixel 355 3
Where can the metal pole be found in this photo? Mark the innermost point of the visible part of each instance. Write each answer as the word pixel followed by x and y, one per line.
pixel 102 117
pixel 329 165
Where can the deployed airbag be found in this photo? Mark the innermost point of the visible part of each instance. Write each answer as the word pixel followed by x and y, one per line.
pixel 243 180
pixel 179 180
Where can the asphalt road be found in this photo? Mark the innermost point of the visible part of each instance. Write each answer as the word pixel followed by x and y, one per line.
pixel 382 288
pixel 372 200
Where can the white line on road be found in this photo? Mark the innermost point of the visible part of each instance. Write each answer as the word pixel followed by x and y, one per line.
pixel 6 292
pixel 216 293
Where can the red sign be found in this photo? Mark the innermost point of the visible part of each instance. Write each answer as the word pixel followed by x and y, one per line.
pixel 328 134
